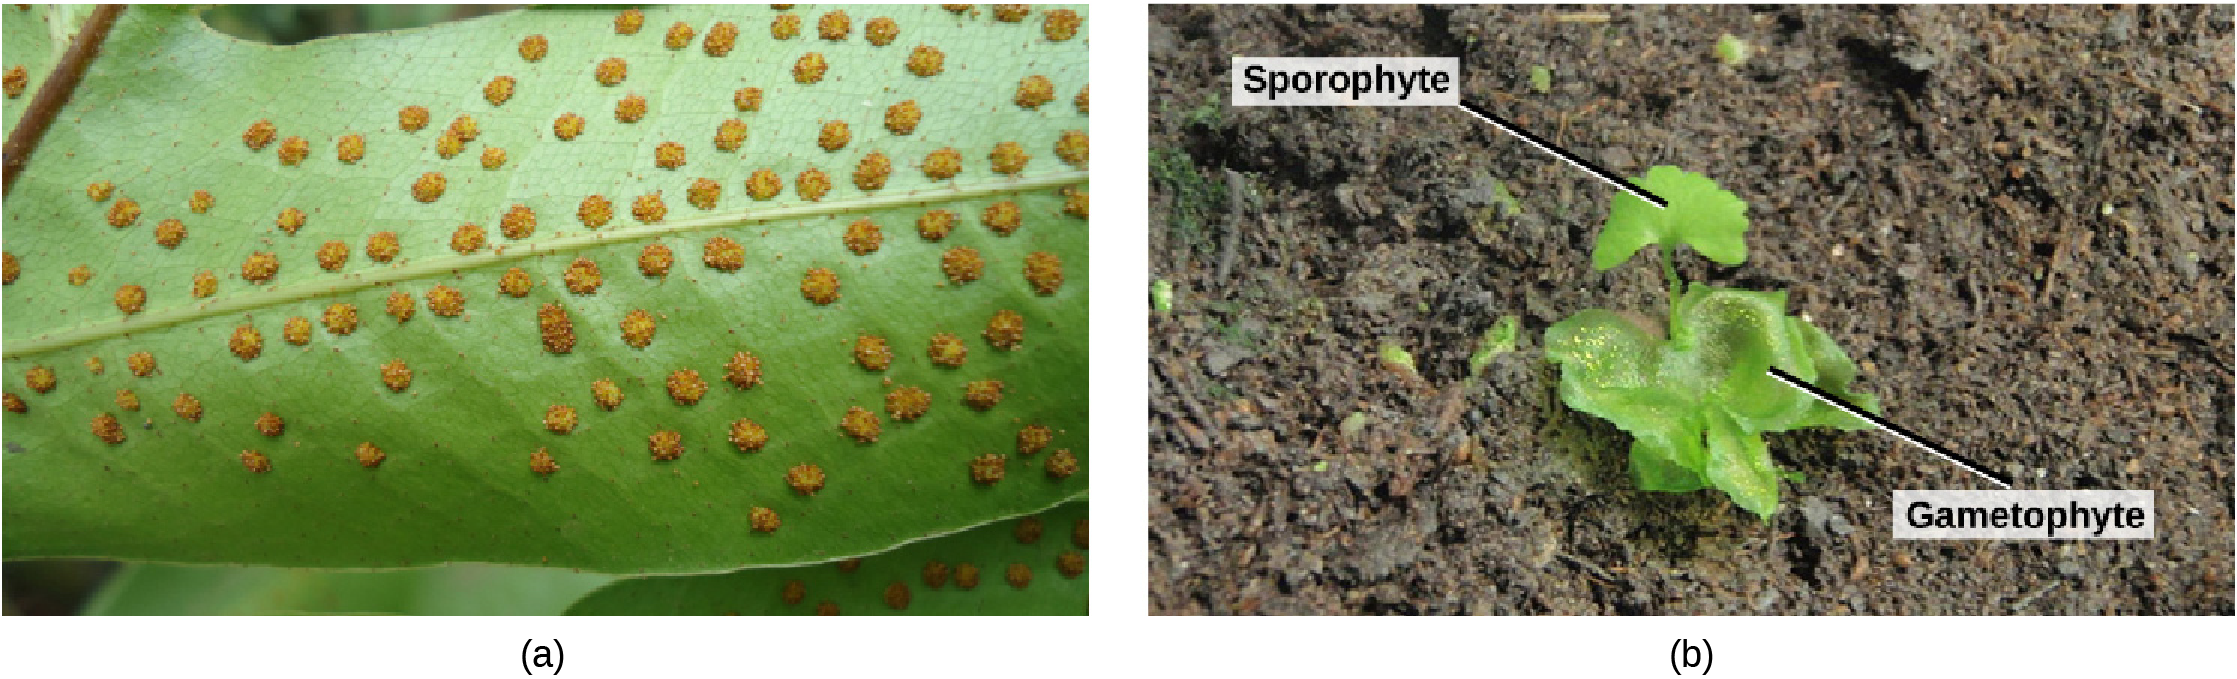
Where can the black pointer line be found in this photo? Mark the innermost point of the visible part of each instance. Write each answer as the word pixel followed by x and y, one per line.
pixel 1891 428
pixel 1564 154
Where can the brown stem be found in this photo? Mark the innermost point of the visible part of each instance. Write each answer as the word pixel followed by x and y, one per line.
pixel 56 92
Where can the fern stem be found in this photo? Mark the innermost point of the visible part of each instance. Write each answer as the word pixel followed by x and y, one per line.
pixel 47 104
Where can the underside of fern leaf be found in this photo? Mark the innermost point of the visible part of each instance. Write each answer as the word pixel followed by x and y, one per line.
pixel 153 426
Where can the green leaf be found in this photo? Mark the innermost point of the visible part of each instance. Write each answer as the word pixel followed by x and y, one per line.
pixel 162 113
pixel 991 548
pixel 1697 404
pixel 467 589
pixel 1710 219
pixel 1732 50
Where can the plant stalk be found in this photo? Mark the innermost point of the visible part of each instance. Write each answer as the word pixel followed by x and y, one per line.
pixel 54 93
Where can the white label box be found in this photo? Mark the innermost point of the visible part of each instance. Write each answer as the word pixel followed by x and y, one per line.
pixel 2025 515
pixel 1344 81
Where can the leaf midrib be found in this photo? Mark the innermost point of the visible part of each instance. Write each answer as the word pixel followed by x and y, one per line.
pixel 429 267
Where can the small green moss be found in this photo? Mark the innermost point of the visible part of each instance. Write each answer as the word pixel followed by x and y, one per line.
pixel 1541 79
pixel 1732 51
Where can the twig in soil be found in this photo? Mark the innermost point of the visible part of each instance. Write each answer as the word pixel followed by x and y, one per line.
pixel 1838 203
pixel 1588 567
pixel 61 82
pixel 1581 18
pixel 1235 187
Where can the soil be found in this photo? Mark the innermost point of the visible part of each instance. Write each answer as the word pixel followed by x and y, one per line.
pixel 2018 221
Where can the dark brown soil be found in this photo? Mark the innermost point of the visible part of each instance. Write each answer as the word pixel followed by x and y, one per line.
pixel 2017 219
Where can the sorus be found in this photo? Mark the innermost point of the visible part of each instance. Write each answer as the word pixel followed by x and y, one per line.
pixel 449 145
pixel 1060 25
pixel 834 26
pixel 445 300
pixel 947 351
pixel 466 128
pixel 982 394
pixel 723 254
pixel 805 479
pixel 493 158
pixel 730 135
pixel 260 266
pixel 860 424
pixel 400 306
pixel 1003 217
pixel 382 246
pixel 1062 465
pixel 499 90
pixel 350 149
pixel 1019 576
pixel 764 184
pixel 518 222
pixel 246 343
pixel 429 187
pixel 170 232
pixel 785 27
pixel 606 394
pixel 612 71
pixel 669 155
pixel 200 202
pixel 1008 158
pixel 812 184
pixel 763 519
pixel 943 164
pixel 1006 330
pixel 341 319
pixel 685 386
pixel 907 403
pixel 655 260
pixel 649 209
pixel 567 126
pixel 124 213
pixel 926 61
pixel 80 274
pixel 514 283
pixel 297 330
pixel 897 596
pixel 748 435
pixel 747 99
pixel 560 419
pixel 1044 271
pixel 987 469
pixel 820 285
pixel 270 424
pixel 1071 564
pixel 369 455
pixel 128 399
pixel 835 135
pixel 1012 13
pixel 558 330
pixel 41 378
pixel 255 461
pixel 595 211
pixel 187 407
pixel 412 118
pixel 1080 101
pixel 141 363
pixel 131 298
pixel 99 191
pixel 293 150
pixel 468 238
pixel 962 265
pixel 582 277
pixel 333 254
pixel 396 375
pixel 743 371
pixel 1072 147
pixel 863 237
pixel 533 48
pixel 629 21
pixel 260 134
pixel 871 173
pixel 721 39
pixel 704 194
pixel 1028 530
pixel 541 462
pixel 809 69
pixel 935 574
pixel 881 31
pixel 1032 438
pixel 1034 91
pixel 902 118
pixel 872 353
pixel 665 445
pixel 637 328
pixel 631 109
pixel 679 36
pixel 935 224
pixel 205 284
